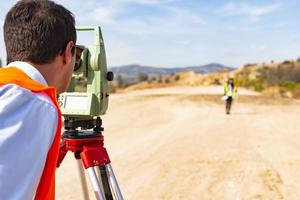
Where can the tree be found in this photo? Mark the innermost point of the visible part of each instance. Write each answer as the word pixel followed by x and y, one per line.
pixel 177 77
pixel 120 81
pixel 159 79
pixel 167 80
pixel 142 77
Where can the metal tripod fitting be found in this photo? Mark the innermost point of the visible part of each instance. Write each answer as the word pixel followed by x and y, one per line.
pixel 88 146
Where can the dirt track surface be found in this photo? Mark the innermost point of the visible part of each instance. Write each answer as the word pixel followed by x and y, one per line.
pixel 177 143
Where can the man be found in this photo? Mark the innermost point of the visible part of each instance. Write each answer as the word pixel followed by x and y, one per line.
pixel 229 93
pixel 40 39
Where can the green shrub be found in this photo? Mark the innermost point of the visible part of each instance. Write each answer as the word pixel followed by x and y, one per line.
pixel 142 77
pixel 177 77
pixel 167 80
pixel 257 85
pixel 290 85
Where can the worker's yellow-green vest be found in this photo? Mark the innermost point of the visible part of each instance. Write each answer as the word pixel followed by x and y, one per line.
pixel 226 89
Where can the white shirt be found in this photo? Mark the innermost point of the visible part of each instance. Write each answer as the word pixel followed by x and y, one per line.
pixel 28 123
pixel 230 90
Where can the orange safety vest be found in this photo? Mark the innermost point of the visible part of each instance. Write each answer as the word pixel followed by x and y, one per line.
pixel 46 186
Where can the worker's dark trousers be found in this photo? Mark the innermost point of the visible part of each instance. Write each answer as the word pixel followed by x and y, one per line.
pixel 228 105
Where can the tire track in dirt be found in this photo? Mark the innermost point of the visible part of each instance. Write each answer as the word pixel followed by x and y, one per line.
pixel 272 181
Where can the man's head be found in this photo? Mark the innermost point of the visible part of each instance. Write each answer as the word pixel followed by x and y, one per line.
pixel 42 33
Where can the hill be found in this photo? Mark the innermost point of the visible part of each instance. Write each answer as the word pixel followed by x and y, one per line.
pixel 273 79
pixel 131 73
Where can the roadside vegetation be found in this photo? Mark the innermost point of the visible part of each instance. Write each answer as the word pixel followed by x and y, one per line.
pixel 273 79
pixel 278 78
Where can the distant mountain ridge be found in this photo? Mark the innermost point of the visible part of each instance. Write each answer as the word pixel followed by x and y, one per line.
pixel 131 72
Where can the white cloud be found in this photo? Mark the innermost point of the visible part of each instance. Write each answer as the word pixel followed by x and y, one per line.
pixel 108 10
pixel 185 15
pixel 244 9
pixel 103 14
pixel 170 20
pixel 157 27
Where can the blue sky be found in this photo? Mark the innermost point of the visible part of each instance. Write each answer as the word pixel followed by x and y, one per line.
pixel 168 33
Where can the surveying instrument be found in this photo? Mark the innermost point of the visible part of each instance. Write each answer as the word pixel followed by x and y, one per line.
pixel 83 103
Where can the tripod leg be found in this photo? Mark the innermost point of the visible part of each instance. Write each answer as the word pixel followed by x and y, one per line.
pixel 113 182
pixel 105 182
pixel 83 181
pixel 95 183
pixel 99 176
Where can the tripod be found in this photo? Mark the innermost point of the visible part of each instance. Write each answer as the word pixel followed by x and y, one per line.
pixel 87 145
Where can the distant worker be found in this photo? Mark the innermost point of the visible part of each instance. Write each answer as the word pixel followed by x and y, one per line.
pixel 229 94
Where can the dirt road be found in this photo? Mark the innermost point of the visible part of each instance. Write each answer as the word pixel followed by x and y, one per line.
pixel 177 143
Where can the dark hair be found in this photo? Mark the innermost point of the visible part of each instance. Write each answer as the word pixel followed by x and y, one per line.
pixel 232 82
pixel 37 31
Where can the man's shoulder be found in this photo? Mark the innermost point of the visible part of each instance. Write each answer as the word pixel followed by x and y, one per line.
pixel 13 93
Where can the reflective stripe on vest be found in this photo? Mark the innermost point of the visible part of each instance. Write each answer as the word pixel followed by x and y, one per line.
pixel 46 186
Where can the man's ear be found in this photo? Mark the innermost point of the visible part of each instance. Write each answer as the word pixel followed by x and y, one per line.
pixel 69 52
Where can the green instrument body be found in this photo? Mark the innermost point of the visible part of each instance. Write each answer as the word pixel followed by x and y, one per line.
pixel 87 95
